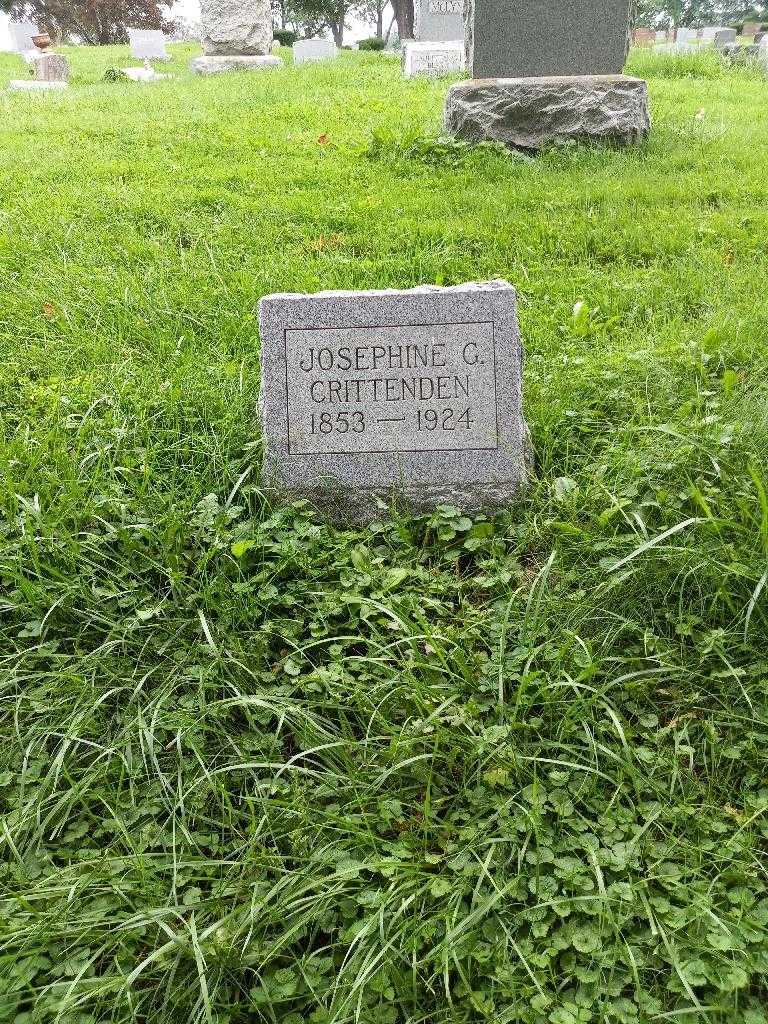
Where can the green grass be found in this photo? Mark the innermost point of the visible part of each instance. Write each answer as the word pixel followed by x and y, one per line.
pixel 439 770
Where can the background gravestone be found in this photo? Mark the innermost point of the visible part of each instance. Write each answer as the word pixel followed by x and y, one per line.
pixel 147 44
pixel 432 59
pixel 548 71
pixel 644 37
pixel 236 34
pixel 308 50
pixel 532 38
pixel 724 37
pixel 21 38
pixel 371 395
pixel 51 73
pixel 439 20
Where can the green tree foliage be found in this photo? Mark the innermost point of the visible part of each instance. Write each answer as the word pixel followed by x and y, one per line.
pixel 310 17
pixel 657 13
pixel 92 21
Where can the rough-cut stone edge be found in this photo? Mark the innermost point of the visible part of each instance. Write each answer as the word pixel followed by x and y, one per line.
pixel 505 94
pixel 216 65
pixel 361 504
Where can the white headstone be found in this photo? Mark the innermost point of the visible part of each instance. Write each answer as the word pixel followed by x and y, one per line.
pixel 432 59
pixel 313 49
pixel 147 44
pixel 21 35
pixel 686 36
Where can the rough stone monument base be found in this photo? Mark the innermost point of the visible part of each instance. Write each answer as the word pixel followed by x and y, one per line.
pixel 232 62
pixel 32 85
pixel 531 113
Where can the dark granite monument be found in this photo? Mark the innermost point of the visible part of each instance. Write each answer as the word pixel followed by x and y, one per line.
pixel 539 38
pixel 548 71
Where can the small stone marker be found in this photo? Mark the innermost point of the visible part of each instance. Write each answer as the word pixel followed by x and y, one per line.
pixel 371 395
pixel 237 35
pixel 724 37
pixel 51 67
pixel 147 44
pixel 438 20
pixel 545 73
pixel 307 50
pixel 432 59
pixel 145 74
pixel 644 37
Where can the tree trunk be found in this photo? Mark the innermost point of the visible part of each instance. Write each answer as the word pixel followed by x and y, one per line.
pixel 404 18
pixel 337 30
pixel 379 19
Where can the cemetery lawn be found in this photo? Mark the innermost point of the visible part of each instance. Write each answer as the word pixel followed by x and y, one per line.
pixel 445 769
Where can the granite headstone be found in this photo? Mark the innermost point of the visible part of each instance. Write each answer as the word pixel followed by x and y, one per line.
pixel 51 67
pixel 725 37
pixel 438 20
pixel 532 38
pixel 236 35
pixel 709 32
pixel 548 72
pixel 51 73
pixel 373 395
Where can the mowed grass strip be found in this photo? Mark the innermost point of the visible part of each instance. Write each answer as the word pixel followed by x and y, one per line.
pixel 445 769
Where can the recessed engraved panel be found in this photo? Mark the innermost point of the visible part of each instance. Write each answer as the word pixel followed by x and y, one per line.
pixel 391 389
